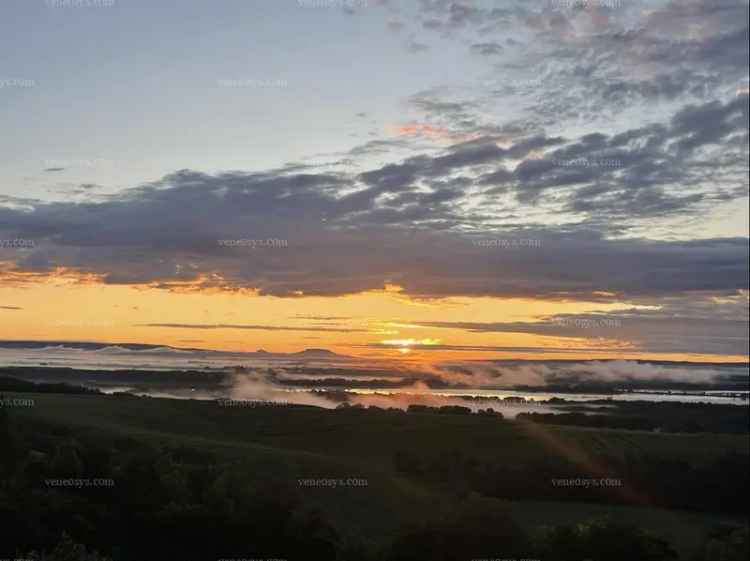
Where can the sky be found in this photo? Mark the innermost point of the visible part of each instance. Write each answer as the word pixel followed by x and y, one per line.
pixel 427 179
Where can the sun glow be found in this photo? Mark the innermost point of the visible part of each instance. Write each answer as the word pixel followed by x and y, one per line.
pixel 410 342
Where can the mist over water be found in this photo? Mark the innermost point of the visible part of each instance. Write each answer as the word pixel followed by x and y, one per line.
pixel 328 380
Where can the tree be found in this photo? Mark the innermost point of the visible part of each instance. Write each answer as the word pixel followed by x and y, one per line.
pixel 603 539
pixel 478 529
pixel 7 444
pixel 67 550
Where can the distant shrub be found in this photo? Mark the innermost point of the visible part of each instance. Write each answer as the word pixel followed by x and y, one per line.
pixel 602 539
pixel 67 550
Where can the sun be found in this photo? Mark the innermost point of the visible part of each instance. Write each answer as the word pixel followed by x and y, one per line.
pixel 404 346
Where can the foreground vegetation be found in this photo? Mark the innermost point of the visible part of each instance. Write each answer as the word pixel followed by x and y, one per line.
pixel 168 479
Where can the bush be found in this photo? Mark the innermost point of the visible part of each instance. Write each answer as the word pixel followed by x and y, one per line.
pixel 478 528
pixel 600 540
pixel 67 550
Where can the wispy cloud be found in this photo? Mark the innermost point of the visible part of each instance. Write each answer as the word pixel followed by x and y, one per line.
pixel 252 327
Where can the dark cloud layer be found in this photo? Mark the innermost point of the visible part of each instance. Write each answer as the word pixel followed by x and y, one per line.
pixel 669 324
pixel 415 223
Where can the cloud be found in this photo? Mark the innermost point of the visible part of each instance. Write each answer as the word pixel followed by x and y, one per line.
pixel 493 348
pixel 599 60
pixel 395 25
pixel 701 323
pixel 652 170
pixel 252 327
pixel 414 46
pixel 426 130
pixel 322 318
pixel 487 49
pixel 414 223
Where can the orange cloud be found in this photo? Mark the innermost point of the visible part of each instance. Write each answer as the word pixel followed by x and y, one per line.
pixel 426 130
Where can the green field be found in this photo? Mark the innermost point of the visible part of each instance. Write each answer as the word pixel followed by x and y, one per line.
pixel 295 443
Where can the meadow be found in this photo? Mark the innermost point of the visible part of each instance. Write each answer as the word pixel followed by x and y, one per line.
pixel 368 483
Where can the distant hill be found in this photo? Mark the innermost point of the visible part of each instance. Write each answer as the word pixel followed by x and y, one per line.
pixel 143 347
pixel 317 353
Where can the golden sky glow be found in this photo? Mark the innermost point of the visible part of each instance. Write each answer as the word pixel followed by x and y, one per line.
pixel 379 323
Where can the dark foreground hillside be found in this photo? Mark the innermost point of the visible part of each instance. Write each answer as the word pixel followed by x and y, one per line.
pixel 141 478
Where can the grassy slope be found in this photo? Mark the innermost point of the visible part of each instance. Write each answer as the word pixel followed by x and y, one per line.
pixel 311 443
